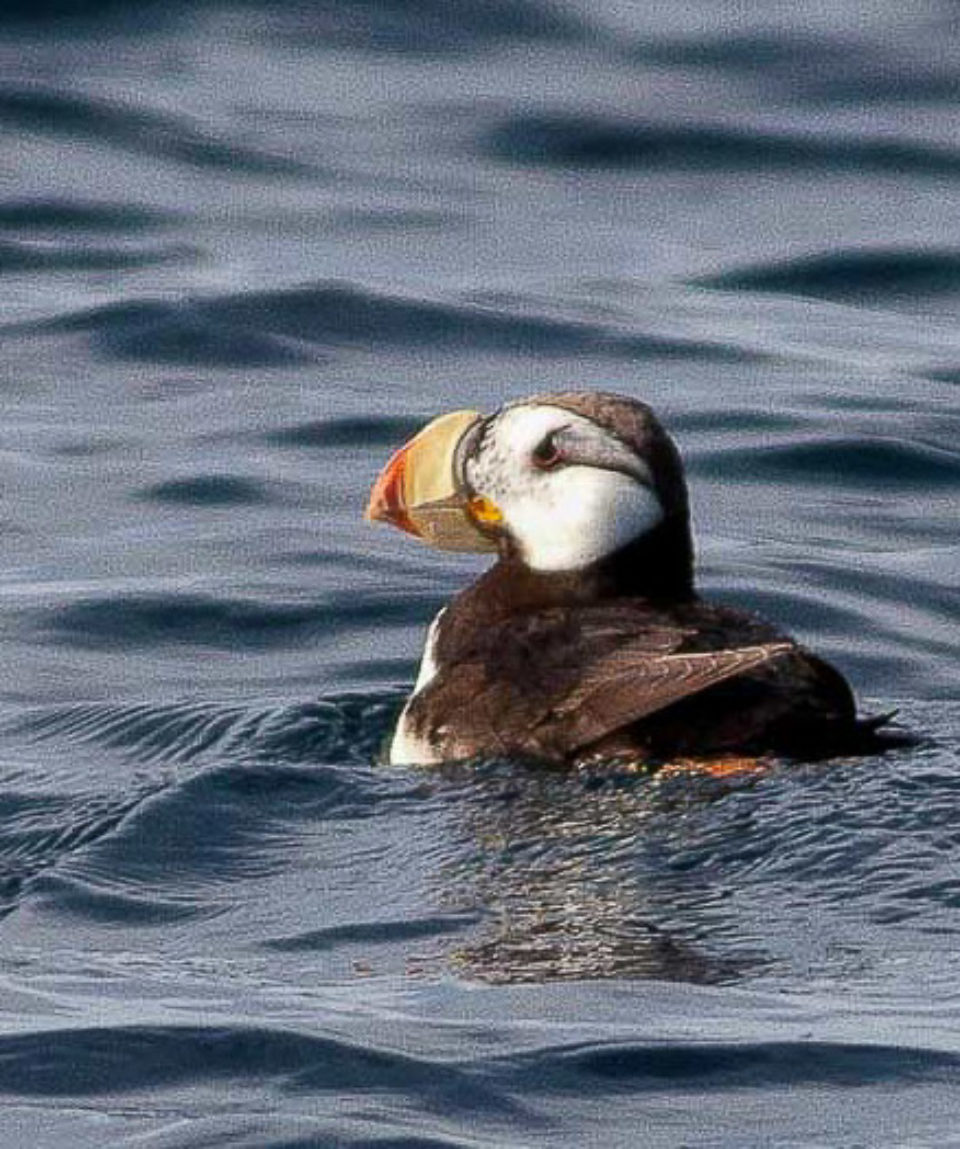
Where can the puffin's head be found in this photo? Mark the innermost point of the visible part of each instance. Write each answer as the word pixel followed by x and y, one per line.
pixel 560 481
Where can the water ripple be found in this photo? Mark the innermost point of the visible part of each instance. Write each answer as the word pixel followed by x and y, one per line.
pixel 173 733
pixel 210 491
pixel 593 141
pixel 140 130
pixel 424 26
pixel 855 274
pixel 84 216
pixel 839 69
pixel 17 257
pixel 876 464
pixel 174 333
pixel 756 1065
pixel 290 325
pixel 145 621
pixel 343 728
pixel 123 1059
pixel 748 52
pixel 362 933
pixel 216 792
pixel 185 850
pixel 129 1059
pixel 357 431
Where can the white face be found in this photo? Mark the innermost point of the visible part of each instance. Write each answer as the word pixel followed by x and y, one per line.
pixel 568 515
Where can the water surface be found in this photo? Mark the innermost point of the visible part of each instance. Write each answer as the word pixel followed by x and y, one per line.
pixel 246 250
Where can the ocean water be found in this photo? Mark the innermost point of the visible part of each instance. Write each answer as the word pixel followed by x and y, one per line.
pixel 244 251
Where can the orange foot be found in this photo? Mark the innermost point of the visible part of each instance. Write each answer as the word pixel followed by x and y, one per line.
pixel 718 767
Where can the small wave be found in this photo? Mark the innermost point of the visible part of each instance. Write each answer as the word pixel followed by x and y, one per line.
pixel 176 335
pixel 580 141
pixel 755 52
pixel 174 733
pixel 69 13
pixel 68 215
pixel 374 219
pixel 189 333
pixel 123 1059
pixel 675 347
pixel 218 796
pixel 86 447
pixel 852 274
pixel 738 419
pixel 145 621
pixel 139 130
pixel 425 25
pixel 38 830
pixel 346 728
pixel 182 852
pixel 358 431
pixel 734 1066
pixel 943 374
pixel 340 313
pixel 876 464
pixel 363 933
pixel 291 325
pixel 118 901
pixel 840 69
pixel 882 81
pixel 17 257
pixel 298 1130
pixel 393 26
pixel 336 314
pixel 343 728
pixel 210 491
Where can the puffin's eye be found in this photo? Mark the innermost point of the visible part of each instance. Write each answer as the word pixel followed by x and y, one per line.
pixel 547 453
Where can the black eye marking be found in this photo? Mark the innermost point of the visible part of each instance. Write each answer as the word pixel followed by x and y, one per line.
pixel 481 437
pixel 547 453
pixel 468 451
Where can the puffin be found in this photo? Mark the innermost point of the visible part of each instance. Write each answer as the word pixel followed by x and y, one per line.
pixel 586 640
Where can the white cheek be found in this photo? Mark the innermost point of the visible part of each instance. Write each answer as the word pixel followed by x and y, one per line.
pixel 578 515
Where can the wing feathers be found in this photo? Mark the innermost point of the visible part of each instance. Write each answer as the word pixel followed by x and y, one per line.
pixel 630 684
pixel 556 682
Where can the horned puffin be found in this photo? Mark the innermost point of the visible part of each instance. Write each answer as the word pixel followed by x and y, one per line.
pixel 586 640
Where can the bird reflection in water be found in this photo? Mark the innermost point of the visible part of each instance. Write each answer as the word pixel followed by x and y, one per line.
pixel 581 876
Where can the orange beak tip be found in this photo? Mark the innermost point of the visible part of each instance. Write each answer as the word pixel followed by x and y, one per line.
pixel 387 503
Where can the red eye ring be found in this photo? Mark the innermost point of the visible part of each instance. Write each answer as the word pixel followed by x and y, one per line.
pixel 547 454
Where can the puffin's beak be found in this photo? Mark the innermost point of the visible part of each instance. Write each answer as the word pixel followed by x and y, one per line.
pixel 417 489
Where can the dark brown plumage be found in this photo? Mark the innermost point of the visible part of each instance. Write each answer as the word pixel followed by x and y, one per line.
pixel 623 675
pixel 622 657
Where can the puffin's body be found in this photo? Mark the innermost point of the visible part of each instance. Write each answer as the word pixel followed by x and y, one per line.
pixel 586 640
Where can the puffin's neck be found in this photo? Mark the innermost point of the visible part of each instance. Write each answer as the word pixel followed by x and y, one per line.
pixel 657 567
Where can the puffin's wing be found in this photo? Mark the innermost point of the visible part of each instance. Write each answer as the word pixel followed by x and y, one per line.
pixel 558 682
pixel 501 691
pixel 630 683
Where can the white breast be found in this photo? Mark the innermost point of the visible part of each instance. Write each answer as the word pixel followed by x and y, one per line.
pixel 406 748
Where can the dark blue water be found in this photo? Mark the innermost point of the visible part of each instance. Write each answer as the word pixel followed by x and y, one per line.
pixel 244 251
